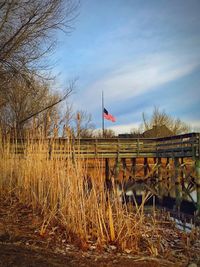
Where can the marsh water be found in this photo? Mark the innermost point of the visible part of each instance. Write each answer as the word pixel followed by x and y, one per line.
pixel 180 200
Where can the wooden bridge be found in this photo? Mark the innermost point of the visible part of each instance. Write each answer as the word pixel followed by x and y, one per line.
pixel 173 147
pixel 179 146
pixel 121 152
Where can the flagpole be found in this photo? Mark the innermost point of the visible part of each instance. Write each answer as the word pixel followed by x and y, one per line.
pixel 102 114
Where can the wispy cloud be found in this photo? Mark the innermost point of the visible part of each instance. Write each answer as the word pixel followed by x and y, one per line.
pixel 140 77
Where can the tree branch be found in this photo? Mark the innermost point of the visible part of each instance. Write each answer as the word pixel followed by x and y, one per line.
pixel 67 94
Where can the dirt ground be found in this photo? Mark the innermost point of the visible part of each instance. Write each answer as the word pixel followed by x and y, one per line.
pixel 14 255
pixel 22 245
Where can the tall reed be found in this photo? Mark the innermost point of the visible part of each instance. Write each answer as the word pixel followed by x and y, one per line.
pixel 63 188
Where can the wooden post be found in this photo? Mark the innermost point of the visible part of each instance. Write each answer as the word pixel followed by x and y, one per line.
pixel 159 169
pixel 155 168
pixel 145 167
pixel 197 168
pixel 138 147
pixel 124 167
pixel 133 167
pixel 167 168
pixel 96 148
pixel 117 167
pixel 182 174
pixel 177 170
pixel 177 180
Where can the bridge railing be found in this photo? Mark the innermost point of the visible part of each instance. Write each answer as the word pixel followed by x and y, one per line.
pixel 117 147
pixel 187 145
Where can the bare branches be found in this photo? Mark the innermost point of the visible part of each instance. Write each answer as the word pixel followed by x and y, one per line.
pixel 27 34
pixel 27 30
pixel 160 119
pixel 67 93
pixel 25 103
pixel 83 124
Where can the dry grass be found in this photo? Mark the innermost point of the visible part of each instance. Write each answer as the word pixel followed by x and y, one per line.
pixel 61 189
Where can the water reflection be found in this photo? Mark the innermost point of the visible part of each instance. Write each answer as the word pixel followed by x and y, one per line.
pixel 180 199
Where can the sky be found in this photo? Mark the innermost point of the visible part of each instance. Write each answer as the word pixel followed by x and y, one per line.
pixel 140 53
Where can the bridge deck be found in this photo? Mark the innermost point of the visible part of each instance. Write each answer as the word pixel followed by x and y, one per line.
pixel 187 145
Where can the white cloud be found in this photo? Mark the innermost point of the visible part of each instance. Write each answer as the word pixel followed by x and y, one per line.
pixel 194 125
pixel 124 128
pixel 139 77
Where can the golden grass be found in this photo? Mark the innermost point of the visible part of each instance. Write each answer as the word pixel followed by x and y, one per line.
pixel 61 189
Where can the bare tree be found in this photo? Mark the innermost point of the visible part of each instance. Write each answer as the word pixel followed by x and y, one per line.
pixel 55 101
pixel 83 125
pixel 24 103
pixel 163 124
pixel 27 32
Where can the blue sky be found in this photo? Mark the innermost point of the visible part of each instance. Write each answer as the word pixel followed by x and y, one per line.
pixel 141 53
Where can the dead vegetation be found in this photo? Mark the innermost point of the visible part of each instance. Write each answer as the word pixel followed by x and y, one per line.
pixel 60 204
